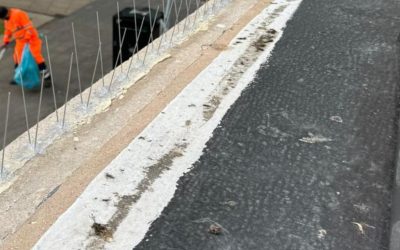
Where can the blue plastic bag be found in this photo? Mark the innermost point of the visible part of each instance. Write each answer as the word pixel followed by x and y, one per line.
pixel 28 69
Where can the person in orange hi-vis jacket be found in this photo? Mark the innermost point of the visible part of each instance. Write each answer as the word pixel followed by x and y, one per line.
pixel 18 26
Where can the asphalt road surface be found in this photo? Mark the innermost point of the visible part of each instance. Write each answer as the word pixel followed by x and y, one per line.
pixel 59 33
pixel 305 158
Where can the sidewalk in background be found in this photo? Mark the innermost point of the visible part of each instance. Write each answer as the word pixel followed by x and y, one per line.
pixel 37 19
pixel 47 7
pixel 43 11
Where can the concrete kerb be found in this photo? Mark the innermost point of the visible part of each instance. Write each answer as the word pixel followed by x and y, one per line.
pixel 19 152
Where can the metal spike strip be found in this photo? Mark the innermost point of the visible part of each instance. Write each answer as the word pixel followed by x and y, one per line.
pixel 119 34
pixel 5 134
pixel 77 63
pixel 136 26
pixel 93 77
pixel 39 111
pixel 151 31
pixel 193 24
pixel 67 92
pixel 196 12
pixel 25 109
pixel 187 16
pixel 205 9
pixel 148 43
pixel 163 6
pixel 174 28
pixel 116 61
pixel 53 87
pixel 178 14
pixel 137 34
pixel 168 14
pixel 136 47
pixel 101 49
pixel 190 6
pixel 165 32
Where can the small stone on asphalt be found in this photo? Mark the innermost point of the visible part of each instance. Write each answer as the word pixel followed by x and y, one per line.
pixel 215 229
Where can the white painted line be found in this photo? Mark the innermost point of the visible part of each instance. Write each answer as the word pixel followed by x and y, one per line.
pixel 142 179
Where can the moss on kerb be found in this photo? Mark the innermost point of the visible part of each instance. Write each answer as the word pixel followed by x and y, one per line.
pixel 106 231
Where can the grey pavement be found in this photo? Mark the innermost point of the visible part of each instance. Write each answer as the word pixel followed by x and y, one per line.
pixel 333 75
pixel 47 7
pixel 59 33
pixel 39 19
pixel 43 11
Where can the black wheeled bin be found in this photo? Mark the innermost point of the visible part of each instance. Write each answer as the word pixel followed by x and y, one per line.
pixel 127 21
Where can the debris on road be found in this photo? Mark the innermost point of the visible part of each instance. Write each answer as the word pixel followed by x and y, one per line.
pixel 215 229
pixel 314 139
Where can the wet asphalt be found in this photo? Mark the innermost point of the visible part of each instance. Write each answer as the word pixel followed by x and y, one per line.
pixel 305 159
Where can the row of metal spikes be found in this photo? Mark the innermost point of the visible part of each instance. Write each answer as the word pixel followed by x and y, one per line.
pixel 177 8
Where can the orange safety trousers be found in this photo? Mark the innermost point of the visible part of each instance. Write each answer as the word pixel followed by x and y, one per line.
pixel 35 46
pixel 20 27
